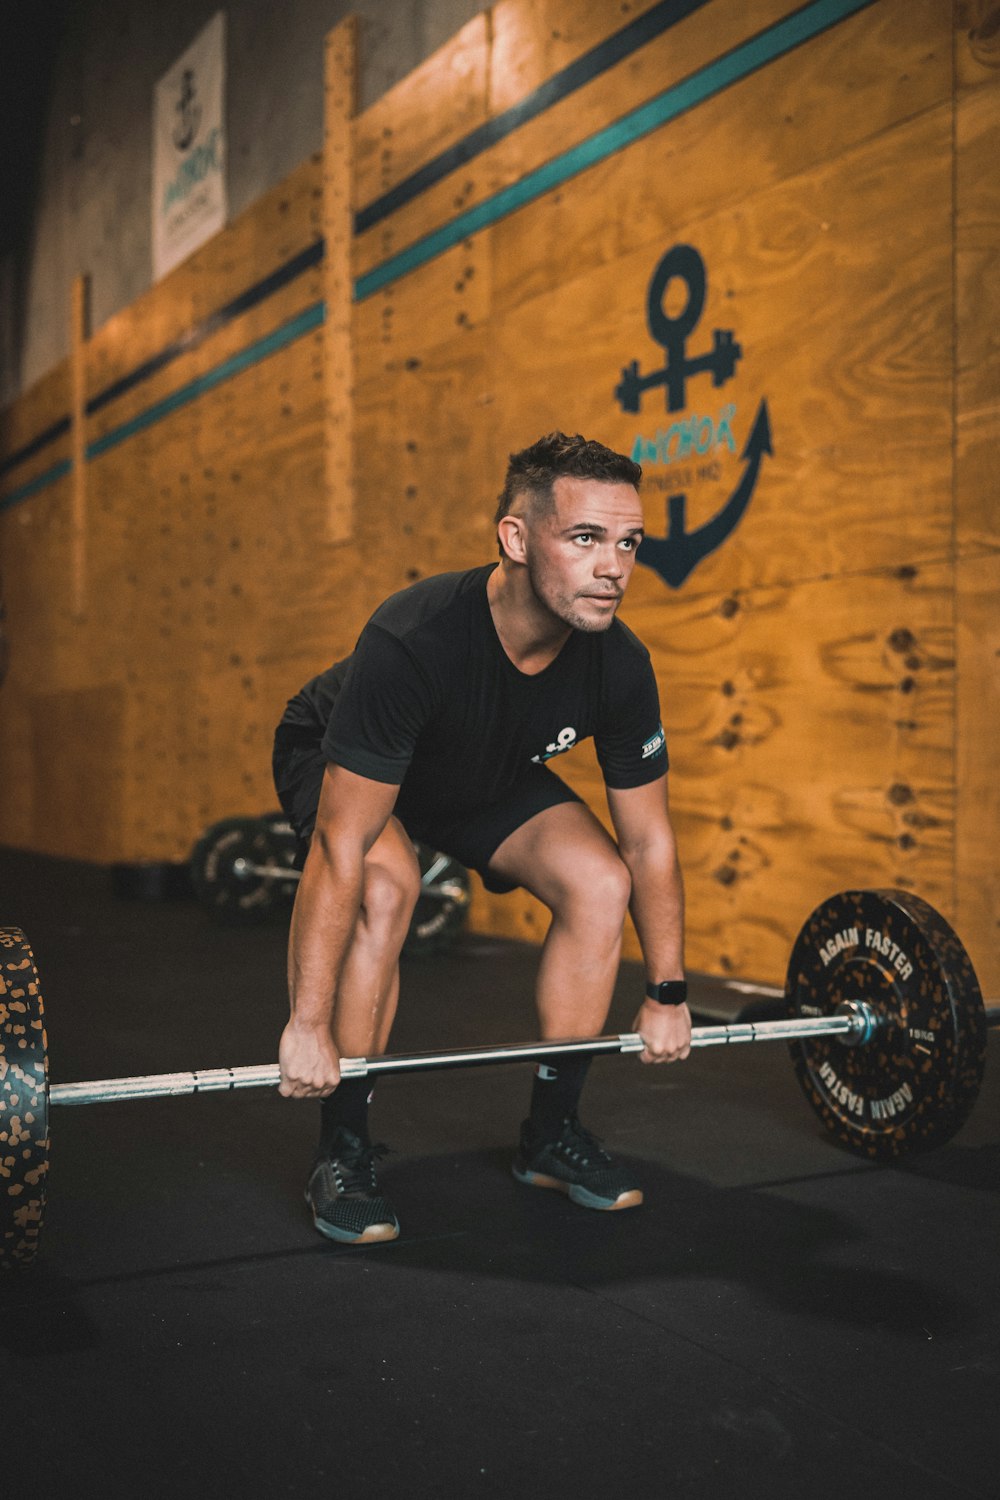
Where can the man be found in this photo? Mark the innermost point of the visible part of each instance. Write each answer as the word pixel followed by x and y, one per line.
pixel 440 728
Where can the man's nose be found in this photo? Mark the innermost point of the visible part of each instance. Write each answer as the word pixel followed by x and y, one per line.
pixel 610 563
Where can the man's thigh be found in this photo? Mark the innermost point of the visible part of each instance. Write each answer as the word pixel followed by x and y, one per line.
pixel 559 851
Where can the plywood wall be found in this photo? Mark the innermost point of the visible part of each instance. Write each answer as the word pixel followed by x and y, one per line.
pixel 828 674
pixel 977 482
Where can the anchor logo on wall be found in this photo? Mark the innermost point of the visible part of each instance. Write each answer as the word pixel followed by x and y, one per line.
pixel 188 111
pixel 675 556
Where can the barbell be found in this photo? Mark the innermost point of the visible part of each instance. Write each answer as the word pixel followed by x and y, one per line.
pixel 243 869
pixel 883 1013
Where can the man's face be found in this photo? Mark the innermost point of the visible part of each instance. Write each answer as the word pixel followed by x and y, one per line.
pixel 580 557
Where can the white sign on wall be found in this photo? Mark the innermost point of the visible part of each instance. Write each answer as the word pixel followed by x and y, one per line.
pixel 189 149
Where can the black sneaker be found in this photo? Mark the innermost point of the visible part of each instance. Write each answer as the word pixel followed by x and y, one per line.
pixel 575 1164
pixel 343 1193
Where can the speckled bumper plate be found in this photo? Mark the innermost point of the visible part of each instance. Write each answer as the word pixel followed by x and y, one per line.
pixel 912 1085
pixel 24 1114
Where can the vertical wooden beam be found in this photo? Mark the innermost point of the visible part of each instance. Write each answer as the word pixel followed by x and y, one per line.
pixel 79 334
pixel 339 108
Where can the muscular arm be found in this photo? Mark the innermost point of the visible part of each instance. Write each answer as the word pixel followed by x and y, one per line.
pixel 353 811
pixel 647 846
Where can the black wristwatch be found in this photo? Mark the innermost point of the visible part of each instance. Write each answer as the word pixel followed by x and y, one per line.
pixel 670 992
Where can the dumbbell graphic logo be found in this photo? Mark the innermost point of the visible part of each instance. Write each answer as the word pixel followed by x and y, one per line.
pixel 682 263
pixel 564 740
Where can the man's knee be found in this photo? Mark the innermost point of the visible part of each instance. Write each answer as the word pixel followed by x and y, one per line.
pixel 596 889
pixel 390 894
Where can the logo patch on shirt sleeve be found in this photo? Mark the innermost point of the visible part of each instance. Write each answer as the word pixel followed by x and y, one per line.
pixel 655 745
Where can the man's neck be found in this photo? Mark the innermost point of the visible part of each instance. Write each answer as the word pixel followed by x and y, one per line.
pixel 529 633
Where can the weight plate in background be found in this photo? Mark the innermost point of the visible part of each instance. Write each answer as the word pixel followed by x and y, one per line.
pixel 222 873
pixel 284 841
pixel 913 1084
pixel 24 1112
pixel 438 916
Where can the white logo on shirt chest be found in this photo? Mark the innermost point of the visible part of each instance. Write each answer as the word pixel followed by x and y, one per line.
pixel 564 740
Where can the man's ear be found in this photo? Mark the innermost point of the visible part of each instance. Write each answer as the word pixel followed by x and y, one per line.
pixel 513 536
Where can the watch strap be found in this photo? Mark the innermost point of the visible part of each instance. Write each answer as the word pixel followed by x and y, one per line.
pixel 669 992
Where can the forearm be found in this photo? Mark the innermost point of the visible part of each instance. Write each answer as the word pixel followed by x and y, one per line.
pixel 327 904
pixel 657 908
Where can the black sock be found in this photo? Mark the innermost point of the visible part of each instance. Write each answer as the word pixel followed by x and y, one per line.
pixel 556 1089
pixel 347 1106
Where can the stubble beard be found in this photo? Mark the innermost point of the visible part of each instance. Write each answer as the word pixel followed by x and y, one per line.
pixel 565 606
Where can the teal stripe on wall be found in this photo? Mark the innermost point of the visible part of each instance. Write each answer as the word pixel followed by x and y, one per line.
pixel 783 37
pixel 40 482
pixel 304 322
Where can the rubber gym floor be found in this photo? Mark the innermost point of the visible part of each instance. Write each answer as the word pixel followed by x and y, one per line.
pixel 779 1318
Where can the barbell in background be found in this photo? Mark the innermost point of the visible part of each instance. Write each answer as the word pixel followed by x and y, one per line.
pixel 884 1016
pixel 244 869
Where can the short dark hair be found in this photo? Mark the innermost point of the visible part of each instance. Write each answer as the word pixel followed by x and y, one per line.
pixel 535 470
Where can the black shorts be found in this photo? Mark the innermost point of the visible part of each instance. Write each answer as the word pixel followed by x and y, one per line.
pixel 471 837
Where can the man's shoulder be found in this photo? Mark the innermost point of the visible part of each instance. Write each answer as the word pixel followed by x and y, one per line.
pixel 623 645
pixel 430 600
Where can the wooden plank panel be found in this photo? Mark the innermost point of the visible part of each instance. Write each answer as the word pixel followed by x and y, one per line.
pixel 451 293
pixel 429 460
pixel 54 455
pixel 47 402
pixel 977 266
pixel 824 760
pixel 77 761
pixel 281 224
pixel 36 560
pixel 582 113
pixel 79 334
pixel 340 87
pixel 532 42
pixel 143 562
pixel 162 735
pixel 230 341
pixel 233 773
pixel 978 808
pixel 854 365
pixel 35 410
pixel 665 61
pixel 977 49
pixel 437 206
pixel 261 451
pixel 978 434
pixel 17 778
pixel 845 88
pixel 430 109
pixel 34 551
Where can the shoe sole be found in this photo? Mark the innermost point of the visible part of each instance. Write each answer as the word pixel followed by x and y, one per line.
pixel 576 1193
pixel 375 1234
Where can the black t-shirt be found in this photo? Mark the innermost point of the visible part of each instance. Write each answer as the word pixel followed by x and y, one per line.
pixel 430 701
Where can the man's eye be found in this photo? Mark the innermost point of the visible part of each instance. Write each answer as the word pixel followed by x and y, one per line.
pixel 630 543
pixel 584 537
